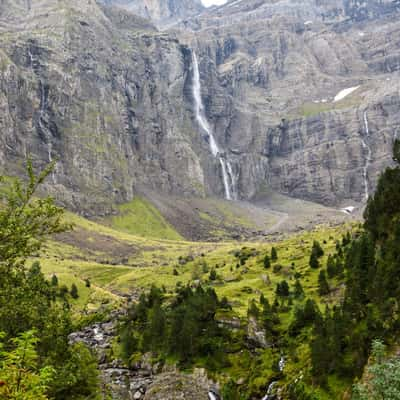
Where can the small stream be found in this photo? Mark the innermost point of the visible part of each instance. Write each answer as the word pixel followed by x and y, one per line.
pixel 270 391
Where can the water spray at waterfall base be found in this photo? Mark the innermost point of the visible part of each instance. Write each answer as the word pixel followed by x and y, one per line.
pixel 226 167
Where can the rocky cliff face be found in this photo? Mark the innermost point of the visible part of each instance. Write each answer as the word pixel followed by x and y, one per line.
pixel 271 72
pixel 110 99
pixel 101 92
pixel 161 12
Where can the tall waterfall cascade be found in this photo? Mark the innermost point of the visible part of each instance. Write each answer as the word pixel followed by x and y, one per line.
pixel 228 176
pixel 369 155
pixel 42 112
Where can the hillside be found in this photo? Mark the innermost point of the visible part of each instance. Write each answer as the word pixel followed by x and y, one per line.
pixel 197 202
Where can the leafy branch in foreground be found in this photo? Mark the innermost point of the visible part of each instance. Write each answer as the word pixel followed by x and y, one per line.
pixel 19 373
pixel 37 361
pixel 25 221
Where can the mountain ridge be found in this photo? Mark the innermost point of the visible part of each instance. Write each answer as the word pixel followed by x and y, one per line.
pixel 111 98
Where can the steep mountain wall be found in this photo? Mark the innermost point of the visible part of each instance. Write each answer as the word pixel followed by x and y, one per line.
pixel 161 12
pixel 103 94
pixel 110 99
pixel 271 72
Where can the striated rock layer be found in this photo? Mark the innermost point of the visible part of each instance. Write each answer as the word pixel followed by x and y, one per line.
pixel 272 71
pixel 103 93
pixel 108 97
pixel 161 12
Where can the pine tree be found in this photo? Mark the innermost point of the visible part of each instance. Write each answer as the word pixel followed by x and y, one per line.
pixel 129 342
pixel 396 151
pixel 74 291
pixel 54 280
pixel 282 289
pixel 253 310
pixel 298 291
pixel 213 275
pixel 331 266
pixel 274 254
pixel 63 291
pixel 323 285
pixel 317 249
pixel 314 263
pixel 154 335
pixel 267 261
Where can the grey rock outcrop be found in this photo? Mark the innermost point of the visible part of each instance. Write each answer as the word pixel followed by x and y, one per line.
pixel 161 12
pixel 143 380
pixel 101 92
pixel 271 72
pixel 109 98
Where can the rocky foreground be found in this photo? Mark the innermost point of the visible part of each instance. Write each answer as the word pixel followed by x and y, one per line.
pixel 144 380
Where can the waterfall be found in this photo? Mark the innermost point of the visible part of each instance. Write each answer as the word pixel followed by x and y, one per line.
pixel 43 105
pixel 281 366
pixel 42 112
pixel 369 155
pixel 269 391
pixel 228 177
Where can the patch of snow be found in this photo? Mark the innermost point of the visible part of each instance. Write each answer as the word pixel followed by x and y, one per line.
pixel 348 210
pixel 344 93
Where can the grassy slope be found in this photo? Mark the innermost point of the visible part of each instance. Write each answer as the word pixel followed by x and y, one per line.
pixel 150 261
pixel 141 218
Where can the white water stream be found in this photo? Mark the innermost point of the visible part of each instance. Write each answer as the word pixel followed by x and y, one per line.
pixel 369 155
pixel 228 177
pixel 281 366
pixel 42 111
pixel 269 391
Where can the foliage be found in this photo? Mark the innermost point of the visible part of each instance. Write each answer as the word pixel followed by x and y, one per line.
pixel 370 306
pixel 314 263
pixel 267 261
pixel 25 221
pixel 274 254
pixel 74 291
pixel 20 372
pixel 28 303
pixel 323 285
pixel 185 329
pixel 282 289
pixel 382 377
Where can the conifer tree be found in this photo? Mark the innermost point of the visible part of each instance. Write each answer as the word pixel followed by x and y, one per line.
pixel 298 291
pixel 274 254
pixel 267 261
pixel 54 280
pixel 314 263
pixel 323 285
pixel 74 291
pixel 331 266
